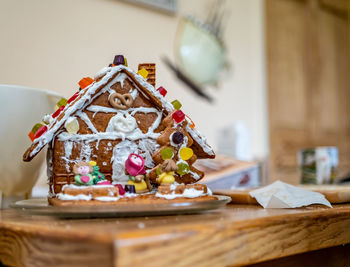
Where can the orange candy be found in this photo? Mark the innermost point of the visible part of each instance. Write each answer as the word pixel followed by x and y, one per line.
pixel 85 82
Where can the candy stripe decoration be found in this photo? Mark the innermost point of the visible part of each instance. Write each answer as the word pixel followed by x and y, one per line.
pixel 35 128
pixel 73 97
pixel 57 112
pixel 40 131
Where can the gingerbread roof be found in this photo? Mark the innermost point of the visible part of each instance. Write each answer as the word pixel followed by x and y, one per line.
pixel 87 95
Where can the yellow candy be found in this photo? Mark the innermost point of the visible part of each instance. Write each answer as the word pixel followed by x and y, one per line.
pixel 72 125
pixel 186 153
pixel 93 163
pixel 143 73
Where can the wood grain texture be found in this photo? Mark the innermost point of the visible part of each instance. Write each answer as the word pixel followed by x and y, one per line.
pixel 308 73
pixel 334 193
pixel 237 234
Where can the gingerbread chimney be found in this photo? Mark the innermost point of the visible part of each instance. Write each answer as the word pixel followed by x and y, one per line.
pixel 151 68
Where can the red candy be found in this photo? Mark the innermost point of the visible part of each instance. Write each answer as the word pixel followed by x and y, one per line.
pixel 162 91
pixel 178 116
pixel 120 189
pixel 73 97
pixel 57 112
pixel 85 82
pixel 40 131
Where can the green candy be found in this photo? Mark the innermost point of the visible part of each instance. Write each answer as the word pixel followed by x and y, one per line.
pixel 166 153
pixel 182 168
pixel 62 102
pixel 159 171
pixel 176 104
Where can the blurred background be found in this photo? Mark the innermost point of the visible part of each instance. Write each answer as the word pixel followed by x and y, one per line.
pixel 283 79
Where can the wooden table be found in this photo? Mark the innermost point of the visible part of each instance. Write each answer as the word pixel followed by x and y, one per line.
pixel 235 235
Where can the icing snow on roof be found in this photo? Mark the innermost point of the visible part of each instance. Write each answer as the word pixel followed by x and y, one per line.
pixel 87 95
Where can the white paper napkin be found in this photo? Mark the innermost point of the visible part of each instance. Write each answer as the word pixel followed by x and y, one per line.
pixel 282 195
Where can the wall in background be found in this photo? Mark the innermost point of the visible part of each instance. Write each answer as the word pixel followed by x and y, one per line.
pixel 52 44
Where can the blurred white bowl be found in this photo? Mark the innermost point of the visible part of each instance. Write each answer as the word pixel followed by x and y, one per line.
pixel 199 54
pixel 21 108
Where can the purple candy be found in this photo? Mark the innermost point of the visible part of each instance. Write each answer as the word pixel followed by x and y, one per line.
pixel 177 137
pixel 130 188
pixel 119 60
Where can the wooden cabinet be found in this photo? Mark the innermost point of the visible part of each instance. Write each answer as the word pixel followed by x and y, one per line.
pixel 308 63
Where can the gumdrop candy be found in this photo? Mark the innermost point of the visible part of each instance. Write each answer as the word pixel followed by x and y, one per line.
pixel 119 60
pixel 166 153
pixel 130 188
pixel 176 104
pixel 143 72
pixel 36 127
pixel 72 125
pixel 186 153
pixel 31 136
pixel 62 102
pixel 126 62
pixel 182 168
pixel 73 97
pixel 57 112
pixel 120 189
pixel 40 131
pixel 178 116
pixel 162 91
pixel 85 82
pixel 177 137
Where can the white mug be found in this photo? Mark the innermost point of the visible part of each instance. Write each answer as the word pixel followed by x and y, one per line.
pixel 20 109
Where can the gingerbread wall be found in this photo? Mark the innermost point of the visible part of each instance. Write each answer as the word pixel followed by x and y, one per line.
pixel 99 151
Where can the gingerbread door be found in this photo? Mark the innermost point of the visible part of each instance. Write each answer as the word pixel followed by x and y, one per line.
pixel 308 63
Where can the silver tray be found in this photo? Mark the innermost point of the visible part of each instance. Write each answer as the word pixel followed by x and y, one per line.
pixel 40 206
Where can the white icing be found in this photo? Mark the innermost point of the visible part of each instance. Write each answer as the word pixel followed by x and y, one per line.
pixel 68 146
pixel 47 118
pixel 86 119
pixel 85 186
pixel 71 197
pixel 107 198
pixel 120 154
pixel 134 93
pixel 200 139
pixel 122 123
pixel 102 72
pixel 85 152
pixel 188 193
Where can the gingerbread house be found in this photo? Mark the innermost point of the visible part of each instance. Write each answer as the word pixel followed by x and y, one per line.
pixel 118 113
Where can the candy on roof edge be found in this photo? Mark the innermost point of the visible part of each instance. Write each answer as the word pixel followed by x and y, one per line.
pixel 84 98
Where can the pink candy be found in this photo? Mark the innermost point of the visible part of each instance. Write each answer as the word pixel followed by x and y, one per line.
pixel 135 165
pixel 104 182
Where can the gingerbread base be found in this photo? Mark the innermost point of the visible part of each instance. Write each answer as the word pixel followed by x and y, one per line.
pixel 140 199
